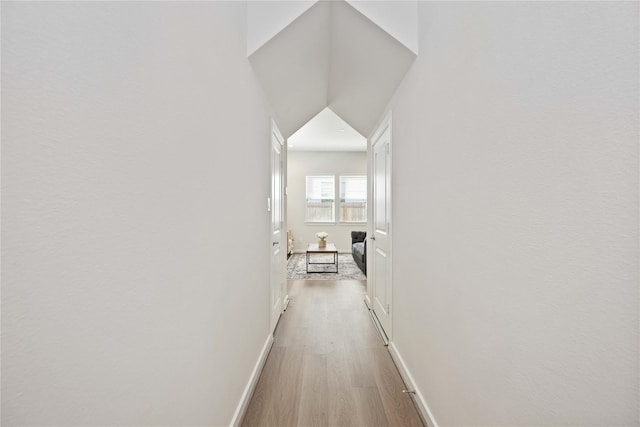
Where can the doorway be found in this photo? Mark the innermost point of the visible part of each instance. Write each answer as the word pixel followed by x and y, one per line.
pixel 327 191
pixel 327 55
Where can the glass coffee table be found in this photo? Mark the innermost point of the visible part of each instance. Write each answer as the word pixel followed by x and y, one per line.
pixel 314 249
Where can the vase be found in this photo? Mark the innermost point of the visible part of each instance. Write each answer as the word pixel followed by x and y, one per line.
pixel 322 244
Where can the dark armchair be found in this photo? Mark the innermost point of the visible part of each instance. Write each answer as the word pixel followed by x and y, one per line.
pixel 359 249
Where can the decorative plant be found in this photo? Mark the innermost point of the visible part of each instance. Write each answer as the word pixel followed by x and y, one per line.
pixel 321 235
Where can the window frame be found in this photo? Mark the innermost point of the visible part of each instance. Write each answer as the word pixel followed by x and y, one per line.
pixel 321 199
pixel 340 199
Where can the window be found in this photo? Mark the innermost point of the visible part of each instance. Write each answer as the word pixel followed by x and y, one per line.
pixel 321 199
pixel 353 199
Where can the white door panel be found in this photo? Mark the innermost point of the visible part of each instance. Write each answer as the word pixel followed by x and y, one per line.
pixel 380 272
pixel 277 223
pixel 380 195
pixel 379 243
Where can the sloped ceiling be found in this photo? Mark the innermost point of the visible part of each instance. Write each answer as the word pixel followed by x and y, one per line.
pixel 266 18
pixel 327 132
pixel 330 56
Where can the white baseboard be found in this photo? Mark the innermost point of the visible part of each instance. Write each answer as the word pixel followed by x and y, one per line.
pixel 367 301
pixel 379 328
pixel 421 404
pixel 251 385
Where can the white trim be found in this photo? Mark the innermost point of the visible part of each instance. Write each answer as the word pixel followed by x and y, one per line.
pixel 275 313
pixel 276 131
pixel 320 222
pixel 382 126
pixel 379 328
pixel 367 301
pixel 241 409
pixel 418 398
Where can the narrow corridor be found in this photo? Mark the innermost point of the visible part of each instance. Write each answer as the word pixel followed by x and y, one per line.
pixel 328 366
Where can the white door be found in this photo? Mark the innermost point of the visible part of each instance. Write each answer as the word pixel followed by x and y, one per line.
pixel 278 237
pixel 379 243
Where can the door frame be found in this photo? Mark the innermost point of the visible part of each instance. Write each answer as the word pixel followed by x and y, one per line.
pixel 385 124
pixel 276 135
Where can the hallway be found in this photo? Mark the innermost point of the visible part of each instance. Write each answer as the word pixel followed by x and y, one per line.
pixel 134 294
pixel 328 366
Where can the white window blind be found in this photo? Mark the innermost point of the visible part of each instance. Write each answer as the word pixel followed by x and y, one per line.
pixel 320 199
pixel 353 199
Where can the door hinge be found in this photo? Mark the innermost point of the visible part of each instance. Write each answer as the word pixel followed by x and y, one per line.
pixel 388 308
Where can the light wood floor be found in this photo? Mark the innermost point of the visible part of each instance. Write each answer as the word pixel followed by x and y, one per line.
pixel 328 366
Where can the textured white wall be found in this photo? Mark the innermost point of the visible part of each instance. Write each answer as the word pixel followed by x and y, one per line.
pixel 303 163
pixel 516 213
pixel 128 131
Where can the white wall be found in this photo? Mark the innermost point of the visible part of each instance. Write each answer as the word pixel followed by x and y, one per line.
pixel 303 163
pixel 398 18
pixel 265 19
pixel 516 213
pixel 127 131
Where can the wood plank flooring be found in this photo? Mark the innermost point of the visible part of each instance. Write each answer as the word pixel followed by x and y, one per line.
pixel 328 366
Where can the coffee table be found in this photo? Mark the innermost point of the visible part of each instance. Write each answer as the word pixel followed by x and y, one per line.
pixel 314 249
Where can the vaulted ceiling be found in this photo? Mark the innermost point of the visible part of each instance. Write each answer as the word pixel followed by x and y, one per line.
pixel 327 132
pixel 329 54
